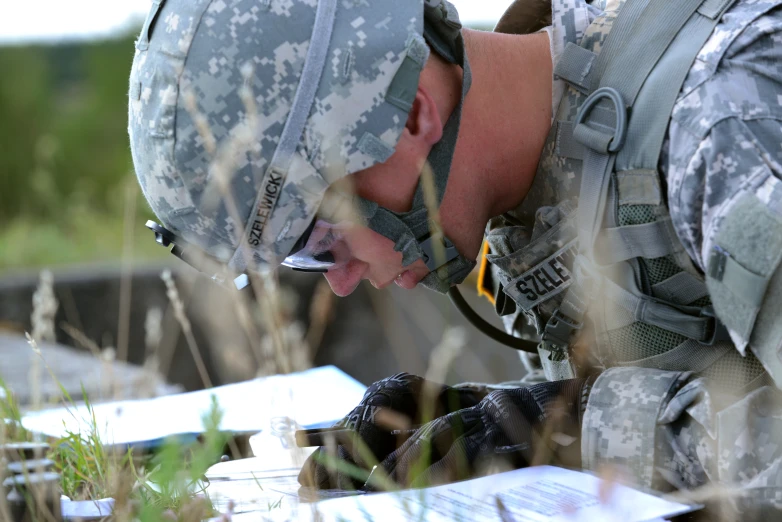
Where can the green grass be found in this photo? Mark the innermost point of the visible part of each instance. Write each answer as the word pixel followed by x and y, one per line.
pixel 173 480
pixel 11 414
pixel 84 464
pixel 169 484
pixel 82 237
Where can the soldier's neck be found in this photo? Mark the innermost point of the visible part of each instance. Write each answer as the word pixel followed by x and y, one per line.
pixel 507 115
pixel 505 121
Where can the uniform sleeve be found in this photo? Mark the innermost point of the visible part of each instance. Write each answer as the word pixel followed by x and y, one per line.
pixel 669 431
pixel 725 185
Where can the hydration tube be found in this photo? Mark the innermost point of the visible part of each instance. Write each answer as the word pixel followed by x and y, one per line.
pixel 485 327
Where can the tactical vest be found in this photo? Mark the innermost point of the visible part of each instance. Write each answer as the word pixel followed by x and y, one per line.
pixel 591 257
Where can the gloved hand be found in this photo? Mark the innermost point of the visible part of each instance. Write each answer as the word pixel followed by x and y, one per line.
pixel 510 426
pixel 400 395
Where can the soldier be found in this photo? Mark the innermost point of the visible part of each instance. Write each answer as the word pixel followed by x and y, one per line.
pixel 634 208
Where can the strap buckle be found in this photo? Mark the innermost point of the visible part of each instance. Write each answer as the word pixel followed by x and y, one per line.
pixel 596 139
pixel 558 329
pixel 432 257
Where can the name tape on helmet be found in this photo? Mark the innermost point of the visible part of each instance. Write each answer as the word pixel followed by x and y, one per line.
pixel 545 280
pixel 272 187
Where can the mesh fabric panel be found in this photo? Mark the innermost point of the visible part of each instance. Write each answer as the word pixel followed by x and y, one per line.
pixel 637 341
pixel 640 340
pixel 702 302
pixel 733 372
pixel 657 270
pixel 636 214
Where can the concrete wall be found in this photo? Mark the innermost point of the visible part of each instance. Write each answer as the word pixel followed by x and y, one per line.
pixel 370 335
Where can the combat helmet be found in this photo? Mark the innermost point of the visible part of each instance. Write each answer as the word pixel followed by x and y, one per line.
pixel 244 112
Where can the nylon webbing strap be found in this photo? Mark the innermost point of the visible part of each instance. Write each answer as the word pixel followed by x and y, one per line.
pixel 567 146
pixel 686 321
pixel 602 120
pixel 575 65
pixel 660 22
pixel 404 86
pixel 411 231
pixel 654 103
pixel 311 74
pixel 682 288
pixel 597 167
pixel 622 30
pixel 649 240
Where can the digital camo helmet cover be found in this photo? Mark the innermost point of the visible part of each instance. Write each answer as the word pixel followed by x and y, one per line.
pixel 243 112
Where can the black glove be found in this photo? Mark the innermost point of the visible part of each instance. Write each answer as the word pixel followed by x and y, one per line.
pixel 508 428
pixel 402 396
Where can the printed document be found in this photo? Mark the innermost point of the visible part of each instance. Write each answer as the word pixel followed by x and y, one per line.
pixel 537 494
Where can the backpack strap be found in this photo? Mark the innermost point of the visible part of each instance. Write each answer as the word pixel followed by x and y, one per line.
pixel 647 36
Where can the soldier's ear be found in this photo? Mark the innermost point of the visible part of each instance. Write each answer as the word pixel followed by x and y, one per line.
pixel 424 124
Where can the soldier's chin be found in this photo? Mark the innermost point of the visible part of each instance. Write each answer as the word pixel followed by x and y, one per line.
pixel 407 280
pixel 344 290
pixel 345 280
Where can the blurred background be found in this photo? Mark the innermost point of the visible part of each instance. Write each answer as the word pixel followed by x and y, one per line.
pixel 69 204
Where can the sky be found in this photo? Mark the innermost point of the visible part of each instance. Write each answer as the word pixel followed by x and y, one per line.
pixel 46 20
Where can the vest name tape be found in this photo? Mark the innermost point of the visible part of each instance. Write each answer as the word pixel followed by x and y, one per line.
pixel 271 192
pixel 546 279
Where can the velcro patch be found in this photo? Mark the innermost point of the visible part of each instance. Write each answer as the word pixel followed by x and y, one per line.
pixel 545 280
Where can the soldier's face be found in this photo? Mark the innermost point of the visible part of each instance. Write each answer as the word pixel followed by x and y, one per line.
pixel 362 253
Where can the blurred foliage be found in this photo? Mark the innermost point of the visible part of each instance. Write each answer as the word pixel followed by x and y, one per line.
pixel 64 154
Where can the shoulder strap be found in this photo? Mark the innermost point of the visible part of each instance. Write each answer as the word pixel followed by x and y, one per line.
pixel 648 37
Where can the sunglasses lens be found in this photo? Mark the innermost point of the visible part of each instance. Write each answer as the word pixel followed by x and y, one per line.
pixel 315 255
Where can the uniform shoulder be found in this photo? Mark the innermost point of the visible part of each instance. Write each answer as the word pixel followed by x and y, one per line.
pixel 726 124
pixel 738 72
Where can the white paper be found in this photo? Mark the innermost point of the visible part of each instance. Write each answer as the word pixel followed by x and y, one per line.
pixel 260 467
pixel 314 397
pixel 87 510
pixel 256 485
pixel 536 494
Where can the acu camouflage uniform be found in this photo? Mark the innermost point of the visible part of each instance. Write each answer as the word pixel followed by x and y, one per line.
pixel 675 411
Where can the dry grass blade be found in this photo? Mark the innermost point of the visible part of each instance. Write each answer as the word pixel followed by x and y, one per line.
pixel 126 288
pixel 179 312
pixel 187 330
pixel 80 338
pixel 223 166
pixel 721 500
pixel 45 307
pixel 440 362
pixel 429 190
pixel 321 314
pixel 401 340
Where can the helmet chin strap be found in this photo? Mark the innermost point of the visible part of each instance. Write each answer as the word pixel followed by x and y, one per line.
pixel 413 232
